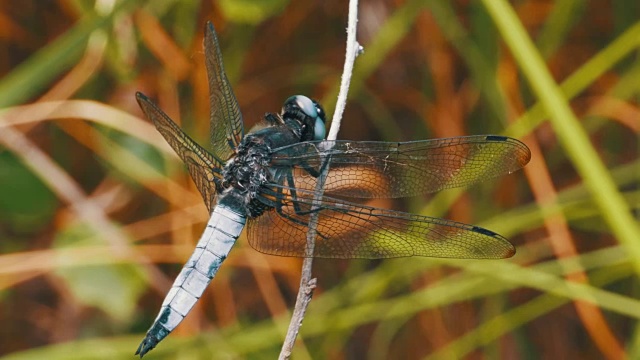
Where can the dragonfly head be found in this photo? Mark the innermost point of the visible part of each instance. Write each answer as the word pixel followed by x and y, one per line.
pixel 309 114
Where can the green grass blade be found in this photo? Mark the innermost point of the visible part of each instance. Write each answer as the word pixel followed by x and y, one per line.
pixel 572 136
pixel 35 74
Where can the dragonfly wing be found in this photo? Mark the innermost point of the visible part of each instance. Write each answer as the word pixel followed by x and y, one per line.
pixel 369 169
pixel 205 170
pixel 225 117
pixel 349 230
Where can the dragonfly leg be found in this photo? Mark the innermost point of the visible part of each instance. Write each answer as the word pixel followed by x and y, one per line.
pixel 272 119
pixel 295 220
pixel 309 169
pixel 294 195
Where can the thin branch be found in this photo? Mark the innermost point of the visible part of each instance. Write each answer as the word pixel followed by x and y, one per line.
pixel 353 50
pixel 307 283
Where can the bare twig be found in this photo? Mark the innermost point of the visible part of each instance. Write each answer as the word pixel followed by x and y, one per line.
pixel 307 283
pixel 353 50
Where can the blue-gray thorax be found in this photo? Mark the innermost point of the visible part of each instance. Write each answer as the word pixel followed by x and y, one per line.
pixel 247 172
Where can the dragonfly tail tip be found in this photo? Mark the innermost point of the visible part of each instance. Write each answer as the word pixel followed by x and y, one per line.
pixel 146 345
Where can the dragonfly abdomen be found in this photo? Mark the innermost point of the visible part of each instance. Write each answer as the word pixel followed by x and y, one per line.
pixel 221 233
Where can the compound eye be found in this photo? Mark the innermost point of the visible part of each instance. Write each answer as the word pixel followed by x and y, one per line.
pixel 320 111
pixel 304 104
pixel 311 109
pixel 319 129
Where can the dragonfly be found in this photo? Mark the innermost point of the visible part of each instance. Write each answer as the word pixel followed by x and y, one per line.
pixel 265 180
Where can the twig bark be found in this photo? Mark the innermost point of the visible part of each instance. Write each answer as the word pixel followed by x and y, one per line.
pixel 307 283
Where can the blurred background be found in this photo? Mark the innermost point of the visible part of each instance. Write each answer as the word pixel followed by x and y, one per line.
pixel 97 215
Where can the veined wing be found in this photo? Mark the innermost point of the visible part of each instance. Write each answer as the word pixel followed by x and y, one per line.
pixel 348 230
pixel 369 169
pixel 225 117
pixel 204 169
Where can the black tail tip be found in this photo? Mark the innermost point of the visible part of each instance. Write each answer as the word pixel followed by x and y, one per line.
pixel 146 345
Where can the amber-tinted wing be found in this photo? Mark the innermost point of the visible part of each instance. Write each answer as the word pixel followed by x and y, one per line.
pixel 204 169
pixel 225 117
pixel 368 169
pixel 348 230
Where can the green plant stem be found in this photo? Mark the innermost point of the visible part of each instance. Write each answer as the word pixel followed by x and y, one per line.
pixel 572 136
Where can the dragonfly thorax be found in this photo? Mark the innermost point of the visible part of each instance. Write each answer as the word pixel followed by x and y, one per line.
pixel 247 171
pixel 301 119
